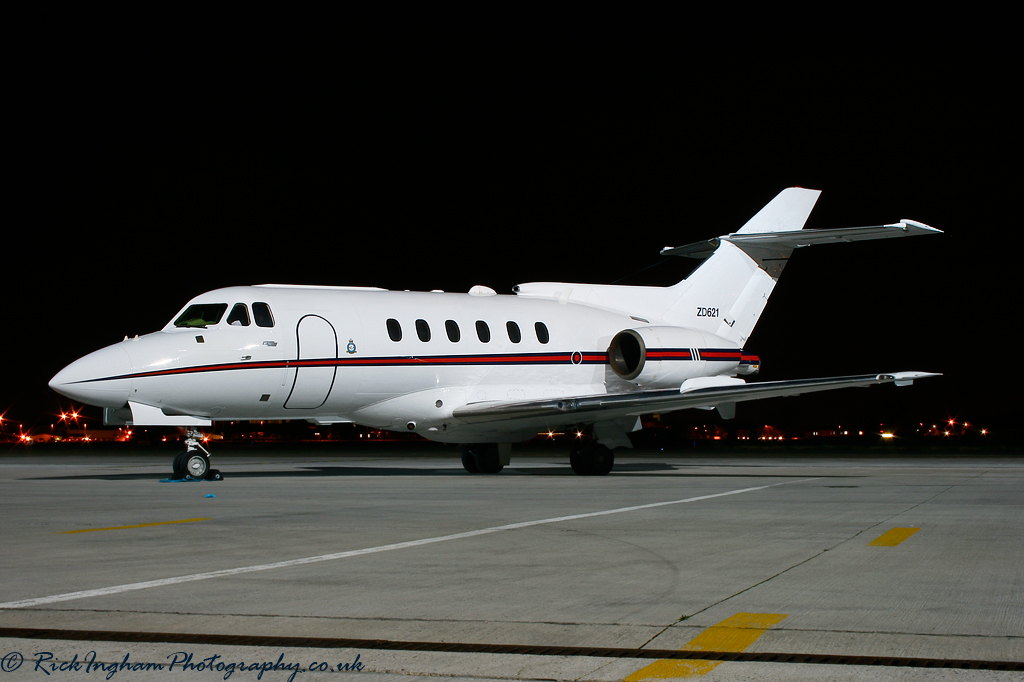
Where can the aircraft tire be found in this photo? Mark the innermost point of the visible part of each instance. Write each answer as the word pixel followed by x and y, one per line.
pixel 592 460
pixel 178 465
pixel 469 461
pixel 578 462
pixel 197 464
pixel 602 459
pixel 485 458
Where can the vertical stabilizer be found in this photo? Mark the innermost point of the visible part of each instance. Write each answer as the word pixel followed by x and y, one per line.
pixel 787 211
pixel 728 292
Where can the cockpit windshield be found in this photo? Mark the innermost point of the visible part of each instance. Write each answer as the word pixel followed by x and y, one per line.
pixel 201 315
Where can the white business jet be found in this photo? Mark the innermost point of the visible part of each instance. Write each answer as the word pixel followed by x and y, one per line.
pixel 478 369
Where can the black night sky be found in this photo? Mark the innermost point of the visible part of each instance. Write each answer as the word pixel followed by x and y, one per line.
pixel 135 184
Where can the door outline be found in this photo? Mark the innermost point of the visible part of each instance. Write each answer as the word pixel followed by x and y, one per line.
pixel 320 372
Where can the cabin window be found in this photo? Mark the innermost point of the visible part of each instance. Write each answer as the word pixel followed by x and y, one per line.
pixel 423 330
pixel 394 330
pixel 483 332
pixel 201 315
pixel 452 327
pixel 261 313
pixel 239 316
pixel 514 335
pixel 542 332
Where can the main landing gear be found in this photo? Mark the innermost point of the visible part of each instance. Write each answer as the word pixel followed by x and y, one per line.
pixel 194 461
pixel 591 459
pixel 482 459
pixel 586 459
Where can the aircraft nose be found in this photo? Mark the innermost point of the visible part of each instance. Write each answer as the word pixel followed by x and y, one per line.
pixel 100 378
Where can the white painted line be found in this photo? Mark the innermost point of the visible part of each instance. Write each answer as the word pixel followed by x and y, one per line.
pixel 117 589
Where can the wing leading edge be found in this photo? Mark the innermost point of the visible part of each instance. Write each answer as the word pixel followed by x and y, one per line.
pixel 592 408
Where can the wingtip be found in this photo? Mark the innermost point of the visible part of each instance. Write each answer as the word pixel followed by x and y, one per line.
pixel 921 226
pixel 906 378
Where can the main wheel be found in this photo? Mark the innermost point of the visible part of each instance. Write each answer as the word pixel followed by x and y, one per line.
pixel 483 458
pixel 578 462
pixel 197 464
pixel 601 460
pixel 487 459
pixel 592 459
pixel 469 461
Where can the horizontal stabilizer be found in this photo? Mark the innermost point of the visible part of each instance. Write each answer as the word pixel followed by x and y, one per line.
pixel 795 239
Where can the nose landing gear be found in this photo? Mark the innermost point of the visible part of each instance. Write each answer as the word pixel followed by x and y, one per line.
pixel 194 461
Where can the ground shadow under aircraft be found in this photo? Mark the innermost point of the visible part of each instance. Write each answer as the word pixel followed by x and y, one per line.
pixel 642 469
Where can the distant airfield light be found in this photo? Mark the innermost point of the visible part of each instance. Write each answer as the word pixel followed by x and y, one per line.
pixel 984 432
pixel 887 435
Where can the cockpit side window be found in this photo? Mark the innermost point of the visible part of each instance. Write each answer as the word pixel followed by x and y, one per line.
pixel 239 316
pixel 201 315
pixel 261 312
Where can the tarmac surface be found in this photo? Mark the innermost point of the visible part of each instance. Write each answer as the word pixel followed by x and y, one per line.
pixel 910 556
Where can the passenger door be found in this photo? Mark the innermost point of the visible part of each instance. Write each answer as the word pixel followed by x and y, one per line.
pixel 315 363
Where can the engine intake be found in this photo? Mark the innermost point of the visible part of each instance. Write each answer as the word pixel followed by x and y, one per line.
pixel 664 357
pixel 627 354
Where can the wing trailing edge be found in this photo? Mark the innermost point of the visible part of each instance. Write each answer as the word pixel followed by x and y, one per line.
pixel 610 406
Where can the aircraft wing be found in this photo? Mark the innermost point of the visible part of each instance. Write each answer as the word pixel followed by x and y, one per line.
pixel 729 391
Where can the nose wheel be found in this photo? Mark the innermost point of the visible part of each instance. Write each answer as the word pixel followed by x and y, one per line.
pixel 197 464
pixel 194 461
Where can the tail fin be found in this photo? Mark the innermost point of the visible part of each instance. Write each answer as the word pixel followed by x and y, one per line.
pixel 728 292
pixel 788 211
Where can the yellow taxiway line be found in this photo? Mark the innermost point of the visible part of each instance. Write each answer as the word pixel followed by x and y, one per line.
pixel 893 537
pixel 735 633
pixel 140 525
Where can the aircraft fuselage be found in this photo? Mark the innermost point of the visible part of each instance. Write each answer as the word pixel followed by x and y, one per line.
pixel 332 356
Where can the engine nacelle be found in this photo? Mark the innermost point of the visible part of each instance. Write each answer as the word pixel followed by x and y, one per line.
pixel 665 357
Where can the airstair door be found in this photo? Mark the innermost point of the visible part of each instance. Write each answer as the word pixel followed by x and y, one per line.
pixel 316 363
